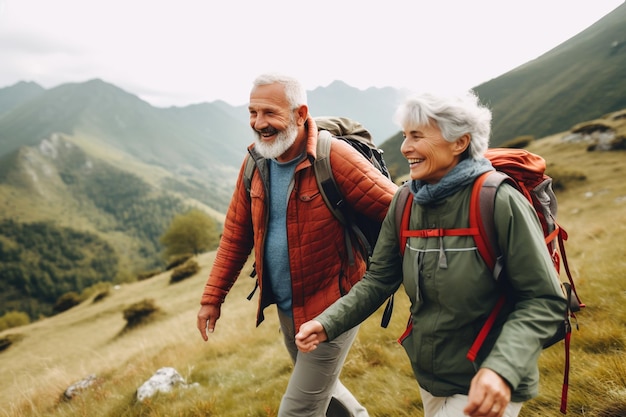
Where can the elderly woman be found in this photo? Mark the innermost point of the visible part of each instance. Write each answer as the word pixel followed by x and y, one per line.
pixel 451 289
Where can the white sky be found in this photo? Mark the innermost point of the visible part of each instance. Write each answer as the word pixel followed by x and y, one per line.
pixel 180 52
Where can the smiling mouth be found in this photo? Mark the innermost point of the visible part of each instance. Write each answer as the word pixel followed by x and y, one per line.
pixel 267 133
pixel 413 161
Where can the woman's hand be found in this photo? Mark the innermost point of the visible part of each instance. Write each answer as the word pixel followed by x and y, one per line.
pixel 489 395
pixel 311 334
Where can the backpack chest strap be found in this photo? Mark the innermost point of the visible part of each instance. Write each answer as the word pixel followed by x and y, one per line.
pixel 426 233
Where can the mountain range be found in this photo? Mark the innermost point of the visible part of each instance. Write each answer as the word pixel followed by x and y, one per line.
pixel 77 154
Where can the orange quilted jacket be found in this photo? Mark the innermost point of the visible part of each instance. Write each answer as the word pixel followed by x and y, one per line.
pixel 319 264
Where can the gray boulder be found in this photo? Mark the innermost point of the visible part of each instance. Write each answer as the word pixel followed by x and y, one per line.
pixel 164 380
pixel 79 386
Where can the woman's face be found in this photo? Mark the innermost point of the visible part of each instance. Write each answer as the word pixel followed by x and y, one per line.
pixel 429 155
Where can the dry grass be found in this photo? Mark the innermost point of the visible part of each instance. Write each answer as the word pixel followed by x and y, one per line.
pixel 243 370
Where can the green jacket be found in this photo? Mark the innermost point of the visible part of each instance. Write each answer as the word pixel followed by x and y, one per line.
pixel 456 291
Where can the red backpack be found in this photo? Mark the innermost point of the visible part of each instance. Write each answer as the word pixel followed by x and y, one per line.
pixel 526 172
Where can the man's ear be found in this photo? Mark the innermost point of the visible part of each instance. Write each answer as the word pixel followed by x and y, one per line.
pixel 461 144
pixel 303 114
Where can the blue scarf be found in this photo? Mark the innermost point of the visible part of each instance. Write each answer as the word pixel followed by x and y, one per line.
pixel 464 173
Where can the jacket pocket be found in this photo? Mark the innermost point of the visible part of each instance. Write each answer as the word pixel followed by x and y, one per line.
pixel 309 196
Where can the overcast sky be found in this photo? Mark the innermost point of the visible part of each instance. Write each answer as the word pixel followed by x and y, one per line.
pixel 182 52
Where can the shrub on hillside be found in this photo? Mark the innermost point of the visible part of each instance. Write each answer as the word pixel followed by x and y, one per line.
pixel 177 260
pixel 191 232
pixel 140 312
pixel 184 271
pixel 98 290
pixel 8 340
pixel 102 295
pixel 619 143
pixel 67 301
pixel 13 319
pixel 519 142
pixel 147 274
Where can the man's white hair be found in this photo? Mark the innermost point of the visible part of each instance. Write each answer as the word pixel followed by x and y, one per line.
pixel 294 90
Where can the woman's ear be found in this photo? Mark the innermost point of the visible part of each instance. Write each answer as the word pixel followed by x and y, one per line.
pixel 461 144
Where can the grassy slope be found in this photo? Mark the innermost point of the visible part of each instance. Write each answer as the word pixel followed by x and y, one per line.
pixel 242 370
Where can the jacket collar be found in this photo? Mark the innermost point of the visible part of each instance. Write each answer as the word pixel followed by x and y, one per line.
pixel 311 142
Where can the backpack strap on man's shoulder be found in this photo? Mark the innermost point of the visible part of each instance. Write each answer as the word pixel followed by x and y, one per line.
pixel 254 161
pixel 248 172
pixel 324 176
pixel 332 194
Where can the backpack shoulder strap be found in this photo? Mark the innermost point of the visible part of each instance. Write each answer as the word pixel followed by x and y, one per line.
pixel 482 210
pixel 248 171
pixel 402 214
pixel 255 162
pixel 324 176
pixel 482 203
pixel 332 194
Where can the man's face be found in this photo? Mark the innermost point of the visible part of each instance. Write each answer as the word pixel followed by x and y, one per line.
pixel 272 119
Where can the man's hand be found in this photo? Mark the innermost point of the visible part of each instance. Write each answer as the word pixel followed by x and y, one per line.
pixel 489 395
pixel 310 335
pixel 207 316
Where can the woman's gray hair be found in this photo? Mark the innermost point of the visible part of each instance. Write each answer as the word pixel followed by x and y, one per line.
pixel 294 90
pixel 455 116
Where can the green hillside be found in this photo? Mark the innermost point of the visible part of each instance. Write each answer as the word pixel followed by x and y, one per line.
pixel 63 198
pixel 41 262
pixel 581 79
pixel 202 142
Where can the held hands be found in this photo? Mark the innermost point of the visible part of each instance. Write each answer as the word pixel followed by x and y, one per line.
pixel 207 316
pixel 489 395
pixel 311 334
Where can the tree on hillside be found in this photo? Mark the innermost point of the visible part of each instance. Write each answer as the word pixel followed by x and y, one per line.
pixel 191 232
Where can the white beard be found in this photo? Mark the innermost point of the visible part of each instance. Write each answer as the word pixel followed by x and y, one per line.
pixel 277 147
